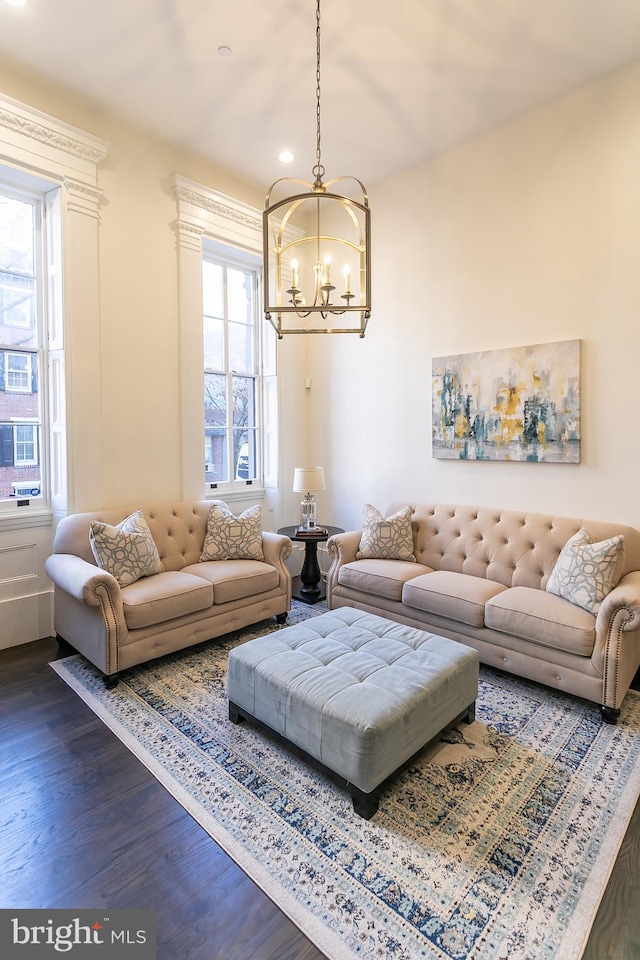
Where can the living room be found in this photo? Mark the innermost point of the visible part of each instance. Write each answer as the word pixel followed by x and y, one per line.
pixel 524 234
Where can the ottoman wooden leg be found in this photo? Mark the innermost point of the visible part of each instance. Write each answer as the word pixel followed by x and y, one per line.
pixel 364 804
pixel 471 713
pixel 234 713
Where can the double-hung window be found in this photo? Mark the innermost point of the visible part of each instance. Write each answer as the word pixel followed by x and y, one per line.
pixel 232 365
pixel 22 359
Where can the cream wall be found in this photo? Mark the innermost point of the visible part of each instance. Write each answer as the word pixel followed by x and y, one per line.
pixel 137 440
pixel 124 369
pixel 525 235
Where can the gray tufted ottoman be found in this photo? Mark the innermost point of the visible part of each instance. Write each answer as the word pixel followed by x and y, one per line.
pixel 357 693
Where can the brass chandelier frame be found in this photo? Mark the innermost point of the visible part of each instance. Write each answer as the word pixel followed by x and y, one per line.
pixel 282 240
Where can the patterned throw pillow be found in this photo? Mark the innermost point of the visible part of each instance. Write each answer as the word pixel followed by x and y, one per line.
pixel 128 551
pixel 386 538
pixel 233 538
pixel 585 572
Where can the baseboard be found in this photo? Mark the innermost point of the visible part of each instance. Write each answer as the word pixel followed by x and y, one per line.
pixel 26 618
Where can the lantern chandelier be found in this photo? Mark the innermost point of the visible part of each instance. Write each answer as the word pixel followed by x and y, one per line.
pixel 305 236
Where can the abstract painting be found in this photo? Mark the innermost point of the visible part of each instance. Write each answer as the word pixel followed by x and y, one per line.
pixel 522 403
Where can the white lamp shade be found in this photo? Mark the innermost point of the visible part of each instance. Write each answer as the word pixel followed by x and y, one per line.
pixel 307 479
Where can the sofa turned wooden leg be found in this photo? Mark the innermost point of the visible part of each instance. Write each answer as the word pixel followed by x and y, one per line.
pixel 610 714
pixel 64 647
pixel 111 680
pixel 282 617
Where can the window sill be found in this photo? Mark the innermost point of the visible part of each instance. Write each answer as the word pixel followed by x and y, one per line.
pixel 233 494
pixel 23 517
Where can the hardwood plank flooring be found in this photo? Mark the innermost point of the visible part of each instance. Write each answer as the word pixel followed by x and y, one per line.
pixel 84 824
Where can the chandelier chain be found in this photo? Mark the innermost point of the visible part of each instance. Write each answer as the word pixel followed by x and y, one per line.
pixel 318 170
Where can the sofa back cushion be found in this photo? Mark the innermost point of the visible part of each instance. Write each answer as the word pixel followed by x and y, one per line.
pixel 177 528
pixel 514 548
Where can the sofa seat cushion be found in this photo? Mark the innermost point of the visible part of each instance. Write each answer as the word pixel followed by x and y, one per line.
pixel 382 578
pixel 457 596
pixel 164 596
pixel 544 618
pixel 235 579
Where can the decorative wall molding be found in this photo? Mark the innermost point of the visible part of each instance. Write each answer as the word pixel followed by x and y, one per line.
pixel 45 145
pixel 226 208
pixel 216 216
pixel 82 197
pixel 76 146
pixel 189 235
pixel 18 562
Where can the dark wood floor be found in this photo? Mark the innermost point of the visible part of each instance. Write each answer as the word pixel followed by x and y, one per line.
pixel 84 824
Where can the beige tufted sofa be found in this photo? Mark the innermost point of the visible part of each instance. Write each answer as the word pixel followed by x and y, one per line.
pixel 480 577
pixel 117 627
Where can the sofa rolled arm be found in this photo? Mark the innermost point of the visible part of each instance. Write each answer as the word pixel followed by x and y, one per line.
pixel 276 548
pixel 342 548
pixel 623 603
pixel 617 637
pixel 82 580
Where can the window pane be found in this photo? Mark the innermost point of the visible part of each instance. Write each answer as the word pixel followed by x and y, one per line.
pixel 213 315
pixel 240 289
pixel 17 310
pixel 215 427
pixel 212 289
pixel 240 348
pixel 241 456
pixel 213 340
pixel 241 335
pixel 244 408
pixel 215 455
pixel 16 236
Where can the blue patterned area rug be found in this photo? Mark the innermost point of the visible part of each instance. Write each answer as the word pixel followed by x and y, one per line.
pixel 497 844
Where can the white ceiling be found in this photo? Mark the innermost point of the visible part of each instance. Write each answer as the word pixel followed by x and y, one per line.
pixel 402 80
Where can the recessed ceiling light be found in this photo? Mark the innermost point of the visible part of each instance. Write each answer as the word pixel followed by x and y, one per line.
pixel 225 51
pixel 285 156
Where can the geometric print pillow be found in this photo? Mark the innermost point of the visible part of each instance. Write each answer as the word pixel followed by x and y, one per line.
pixel 233 538
pixel 128 551
pixel 386 538
pixel 585 572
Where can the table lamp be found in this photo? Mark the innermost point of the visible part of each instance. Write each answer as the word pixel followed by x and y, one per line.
pixel 306 480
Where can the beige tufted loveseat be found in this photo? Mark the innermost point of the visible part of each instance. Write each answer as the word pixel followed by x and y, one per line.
pixel 480 576
pixel 190 601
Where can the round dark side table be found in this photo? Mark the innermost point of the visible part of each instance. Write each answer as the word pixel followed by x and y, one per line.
pixel 308 587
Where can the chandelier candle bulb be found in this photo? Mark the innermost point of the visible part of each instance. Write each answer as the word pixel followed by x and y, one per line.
pixel 347 278
pixel 327 269
pixel 294 273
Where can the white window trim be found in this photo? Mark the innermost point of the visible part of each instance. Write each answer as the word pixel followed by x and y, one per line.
pixel 35 146
pixel 204 214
